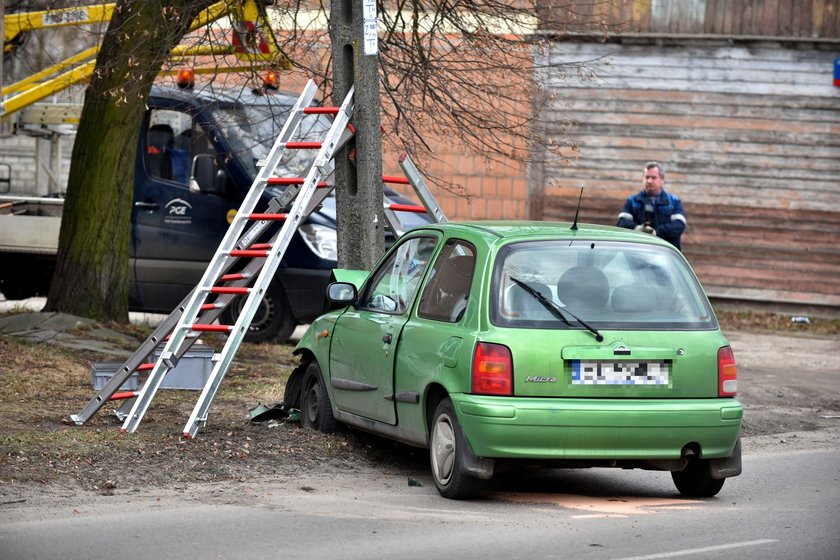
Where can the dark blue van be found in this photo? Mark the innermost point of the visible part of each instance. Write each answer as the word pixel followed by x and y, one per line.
pixel 197 157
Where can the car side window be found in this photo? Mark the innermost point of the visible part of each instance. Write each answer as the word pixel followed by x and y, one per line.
pixel 447 292
pixel 395 283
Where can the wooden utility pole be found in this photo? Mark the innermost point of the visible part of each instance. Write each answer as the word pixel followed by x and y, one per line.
pixel 358 182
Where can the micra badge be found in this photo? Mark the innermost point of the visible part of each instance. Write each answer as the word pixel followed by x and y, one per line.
pixel 540 379
pixel 621 350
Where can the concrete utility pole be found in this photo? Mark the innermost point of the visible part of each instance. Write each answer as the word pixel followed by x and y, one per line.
pixel 358 185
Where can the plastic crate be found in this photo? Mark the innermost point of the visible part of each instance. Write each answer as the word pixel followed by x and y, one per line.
pixel 190 374
pixel 102 372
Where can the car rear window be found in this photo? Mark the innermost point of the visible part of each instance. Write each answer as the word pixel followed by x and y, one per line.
pixel 607 284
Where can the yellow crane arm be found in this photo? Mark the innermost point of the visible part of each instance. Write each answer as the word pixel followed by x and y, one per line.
pixel 15 24
pixel 31 89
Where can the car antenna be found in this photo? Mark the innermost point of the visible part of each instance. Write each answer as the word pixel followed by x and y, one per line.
pixel 574 225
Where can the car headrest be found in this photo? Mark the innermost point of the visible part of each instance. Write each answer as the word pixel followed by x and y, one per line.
pixel 583 286
pixel 633 298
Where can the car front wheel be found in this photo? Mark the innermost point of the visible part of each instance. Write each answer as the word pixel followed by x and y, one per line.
pixel 315 406
pixel 696 480
pixel 446 450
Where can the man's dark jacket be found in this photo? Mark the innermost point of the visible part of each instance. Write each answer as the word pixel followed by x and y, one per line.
pixel 664 212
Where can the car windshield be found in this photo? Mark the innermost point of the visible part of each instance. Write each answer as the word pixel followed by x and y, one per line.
pixel 605 284
pixel 252 129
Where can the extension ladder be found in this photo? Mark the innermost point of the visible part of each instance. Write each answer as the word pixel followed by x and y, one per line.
pixel 195 314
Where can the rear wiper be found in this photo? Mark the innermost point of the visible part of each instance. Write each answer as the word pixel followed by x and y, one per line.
pixel 555 310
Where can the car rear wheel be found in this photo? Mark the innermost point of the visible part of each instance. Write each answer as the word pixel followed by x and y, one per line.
pixel 272 322
pixel 446 450
pixel 315 406
pixel 696 480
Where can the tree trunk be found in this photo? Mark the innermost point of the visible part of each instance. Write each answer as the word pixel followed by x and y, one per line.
pixel 359 213
pixel 92 268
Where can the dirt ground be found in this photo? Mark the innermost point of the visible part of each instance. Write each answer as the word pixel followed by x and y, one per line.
pixel 789 382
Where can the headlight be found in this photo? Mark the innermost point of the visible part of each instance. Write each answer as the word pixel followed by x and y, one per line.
pixel 322 240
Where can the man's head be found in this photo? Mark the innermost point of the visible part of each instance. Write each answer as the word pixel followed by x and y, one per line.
pixel 654 178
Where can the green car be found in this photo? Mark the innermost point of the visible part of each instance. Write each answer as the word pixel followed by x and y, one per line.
pixel 491 342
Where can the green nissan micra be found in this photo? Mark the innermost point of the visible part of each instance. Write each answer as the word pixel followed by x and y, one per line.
pixel 485 342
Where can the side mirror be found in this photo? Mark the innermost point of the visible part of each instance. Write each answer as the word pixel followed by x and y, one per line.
pixel 342 293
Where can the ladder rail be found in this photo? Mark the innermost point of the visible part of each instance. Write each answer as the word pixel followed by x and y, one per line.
pixel 418 183
pixel 295 217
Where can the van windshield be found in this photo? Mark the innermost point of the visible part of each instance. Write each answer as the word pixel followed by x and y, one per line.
pixel 252 129
pixel 610 285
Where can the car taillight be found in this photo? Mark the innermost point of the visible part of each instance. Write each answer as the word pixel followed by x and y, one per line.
pixel 727 373
pixel 492 370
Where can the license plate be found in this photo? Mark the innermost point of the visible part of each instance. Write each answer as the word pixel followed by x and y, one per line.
pixel 619 373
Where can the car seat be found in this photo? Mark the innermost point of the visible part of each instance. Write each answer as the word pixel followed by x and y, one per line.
pixel 449 290
pixel 524 306
pixel 633 298
pixel 584 287
pixel 159 150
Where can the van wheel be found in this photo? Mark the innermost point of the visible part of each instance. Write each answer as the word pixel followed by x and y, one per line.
pixel 272 322
pixel 16 290
pixel 315 406
pixel 446 447
pixel 696 480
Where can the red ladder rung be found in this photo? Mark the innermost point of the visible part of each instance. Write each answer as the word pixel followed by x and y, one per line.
pixel 260 246
pixel 212 328
pixel 232 277
pixel 229 290
pixel 303 145
pixel 248 253
pixel 146 367
pixel 209 307
pixel 321 110
pixel 396 180
pixel 269 217
pixel 406 208
pixel 124 395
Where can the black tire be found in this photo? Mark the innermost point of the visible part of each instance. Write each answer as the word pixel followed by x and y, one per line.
pixel 315 406
pixel 696 480
pixel 447 445
pixel 273 321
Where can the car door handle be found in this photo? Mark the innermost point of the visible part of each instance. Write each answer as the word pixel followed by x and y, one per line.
pixel 147 205
pixel 387 338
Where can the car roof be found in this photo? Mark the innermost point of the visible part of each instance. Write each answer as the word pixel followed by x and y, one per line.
pixel 495 232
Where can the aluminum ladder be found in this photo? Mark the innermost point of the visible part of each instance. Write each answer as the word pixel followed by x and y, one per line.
pixel 195 314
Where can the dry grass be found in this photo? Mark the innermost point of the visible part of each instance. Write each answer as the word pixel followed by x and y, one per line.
pixel 753 321
pixel 42 384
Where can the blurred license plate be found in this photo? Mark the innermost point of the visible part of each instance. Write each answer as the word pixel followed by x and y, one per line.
pixel 619 373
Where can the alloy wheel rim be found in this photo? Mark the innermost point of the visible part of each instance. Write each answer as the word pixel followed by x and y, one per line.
pixel 443 449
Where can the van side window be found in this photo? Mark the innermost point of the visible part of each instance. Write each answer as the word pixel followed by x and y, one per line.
pixel 165 156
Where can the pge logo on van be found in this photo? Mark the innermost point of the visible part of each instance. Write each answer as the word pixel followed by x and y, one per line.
pixel 178 211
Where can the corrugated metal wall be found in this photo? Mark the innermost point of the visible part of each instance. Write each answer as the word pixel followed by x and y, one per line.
pixel 750 137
